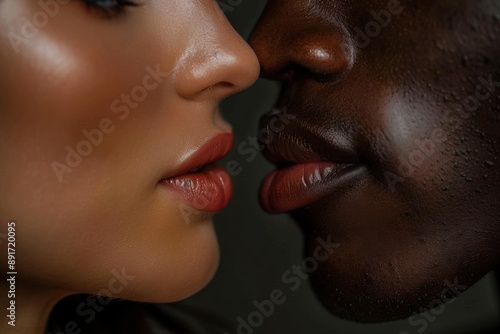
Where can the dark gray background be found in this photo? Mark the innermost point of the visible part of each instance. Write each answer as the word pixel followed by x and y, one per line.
pixel 258 248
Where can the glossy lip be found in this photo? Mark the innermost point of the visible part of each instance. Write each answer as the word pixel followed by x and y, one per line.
pixel 309 167
pixel 298 144
pixel 210 188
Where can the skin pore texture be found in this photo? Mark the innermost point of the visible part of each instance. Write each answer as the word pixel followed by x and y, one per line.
pixel 405 97
pixel 108 224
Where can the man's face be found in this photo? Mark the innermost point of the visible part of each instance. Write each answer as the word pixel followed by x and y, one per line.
pixel 391 145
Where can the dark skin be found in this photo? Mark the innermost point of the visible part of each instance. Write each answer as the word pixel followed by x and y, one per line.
pixel 417 108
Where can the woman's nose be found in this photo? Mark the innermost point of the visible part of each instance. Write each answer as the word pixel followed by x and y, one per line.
pixel 318 48
pixel 219 62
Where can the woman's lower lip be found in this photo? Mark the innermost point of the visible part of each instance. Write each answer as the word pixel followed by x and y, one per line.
pixel 302 184
pixel 208 190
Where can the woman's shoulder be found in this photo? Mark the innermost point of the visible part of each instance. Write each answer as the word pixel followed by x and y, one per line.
pixel 92 315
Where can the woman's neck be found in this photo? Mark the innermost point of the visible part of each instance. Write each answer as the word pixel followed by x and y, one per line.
pixel 27 309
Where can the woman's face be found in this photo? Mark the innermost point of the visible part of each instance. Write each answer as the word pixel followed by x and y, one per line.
pixel 391 144
pixel 100 102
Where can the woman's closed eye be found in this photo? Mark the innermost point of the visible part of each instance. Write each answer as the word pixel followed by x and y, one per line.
pixel 111 7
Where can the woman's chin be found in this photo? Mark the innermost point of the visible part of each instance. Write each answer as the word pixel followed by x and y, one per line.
pixel 171 282
pixel 159 267
pixel 186 285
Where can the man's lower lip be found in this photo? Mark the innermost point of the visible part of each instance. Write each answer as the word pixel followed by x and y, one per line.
pixel 209 190
pixel 302 184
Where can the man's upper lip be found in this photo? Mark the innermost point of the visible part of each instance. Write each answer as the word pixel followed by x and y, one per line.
pixel 297 143
pixel 212 150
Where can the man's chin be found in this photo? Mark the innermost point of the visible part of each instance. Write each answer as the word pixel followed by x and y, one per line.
pixel 361 306
pixel 372 294
pixel 364 303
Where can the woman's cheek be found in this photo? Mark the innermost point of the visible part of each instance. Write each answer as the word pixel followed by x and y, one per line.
pixel 53 94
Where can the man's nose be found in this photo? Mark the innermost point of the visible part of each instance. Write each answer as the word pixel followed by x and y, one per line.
pixel 320 48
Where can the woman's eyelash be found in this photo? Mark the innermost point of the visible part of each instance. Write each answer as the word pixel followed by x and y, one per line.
pixel 111 7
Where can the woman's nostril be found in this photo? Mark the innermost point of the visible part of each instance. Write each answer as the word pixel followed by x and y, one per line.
pixel 222 89
pixel 219 74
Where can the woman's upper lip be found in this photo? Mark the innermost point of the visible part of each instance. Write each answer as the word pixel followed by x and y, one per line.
pixel 214 149
pixel 298 144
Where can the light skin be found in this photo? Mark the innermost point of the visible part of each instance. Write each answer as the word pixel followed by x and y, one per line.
pixel 414 217
pixel 74 230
